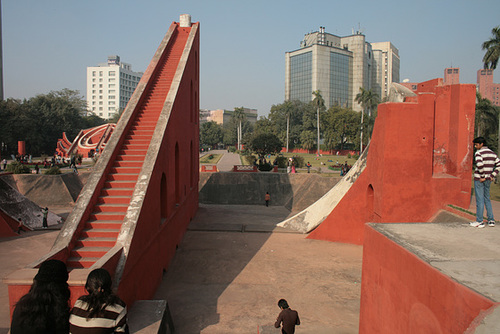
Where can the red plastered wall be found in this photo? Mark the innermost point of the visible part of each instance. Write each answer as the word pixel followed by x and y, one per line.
pixel 400 293
pixel 419 161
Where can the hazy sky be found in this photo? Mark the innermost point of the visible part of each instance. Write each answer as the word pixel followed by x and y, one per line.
pixel 47 44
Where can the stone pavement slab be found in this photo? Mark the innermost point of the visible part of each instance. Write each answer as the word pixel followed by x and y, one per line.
pixel 469 255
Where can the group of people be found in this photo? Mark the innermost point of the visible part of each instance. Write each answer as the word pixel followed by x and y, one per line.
pixel 45 309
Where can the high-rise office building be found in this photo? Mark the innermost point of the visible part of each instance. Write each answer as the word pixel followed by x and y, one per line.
pixel 339 67
pixel 109 87
pixel 487 88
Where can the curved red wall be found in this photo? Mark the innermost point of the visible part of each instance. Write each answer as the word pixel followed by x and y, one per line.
pixel 419 161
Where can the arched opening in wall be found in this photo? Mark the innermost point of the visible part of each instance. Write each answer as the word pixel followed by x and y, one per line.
pixel 192 167
pixel 196 64
pixel 163 198
pixel 370 197
pixel 177 175
pixel 196 109
pixel 191 103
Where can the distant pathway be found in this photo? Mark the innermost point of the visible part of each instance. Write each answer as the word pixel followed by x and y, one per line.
pixel 227 161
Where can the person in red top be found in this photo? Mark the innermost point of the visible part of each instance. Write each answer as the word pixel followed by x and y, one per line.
pixel 267 198
pixel 288 317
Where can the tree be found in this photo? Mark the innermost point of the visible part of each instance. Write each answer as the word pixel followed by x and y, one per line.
pixel 287 120
pixel 41 120
pixel 368 101
pixel 492 47
pixel 211 134
pixel 264 125
pixel 342 126
pixel 239 116
pixel 265 143
pixel 73 97
pixel 319 104
pixel 307 139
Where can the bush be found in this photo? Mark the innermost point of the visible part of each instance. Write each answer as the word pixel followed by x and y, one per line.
pixel 231 149
pixel 299 162
pixel 349 156
pixel 18 168
pixel 53 171
pixel 265 167
pixel 281 162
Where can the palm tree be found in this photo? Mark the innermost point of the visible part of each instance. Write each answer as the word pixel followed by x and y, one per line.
pixel 492 47
pixel 368 101
pixel 239 116
pixel 319 103
pixel 288 111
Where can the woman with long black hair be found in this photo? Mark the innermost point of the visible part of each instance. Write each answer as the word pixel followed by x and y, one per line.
pixel 45 308
pixel 101 311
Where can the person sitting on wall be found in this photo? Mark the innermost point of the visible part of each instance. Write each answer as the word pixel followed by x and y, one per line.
pixel 101 311
pixel 45 308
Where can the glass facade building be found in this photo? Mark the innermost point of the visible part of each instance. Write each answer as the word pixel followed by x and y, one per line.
pixel 301 77
pixel 338 67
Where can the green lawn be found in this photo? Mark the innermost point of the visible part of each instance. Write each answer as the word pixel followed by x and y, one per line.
pixel 316 161
pixel 210 158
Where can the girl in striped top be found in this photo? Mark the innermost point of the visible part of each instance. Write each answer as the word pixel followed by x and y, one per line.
pixel 101 311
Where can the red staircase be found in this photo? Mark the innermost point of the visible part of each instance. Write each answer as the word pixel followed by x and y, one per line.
pixel 102 228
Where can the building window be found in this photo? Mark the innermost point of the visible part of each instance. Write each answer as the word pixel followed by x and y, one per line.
pixel 111 79
pixel 100 73
pixel 112 73
pixel 301 77
pixel 111 85
pixel 339 79
pixel 93 73
pixel 112 91
pixel 111 97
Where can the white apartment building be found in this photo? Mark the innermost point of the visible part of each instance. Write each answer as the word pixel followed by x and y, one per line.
pixel 110 86
pixel 222 116
pixel 339 67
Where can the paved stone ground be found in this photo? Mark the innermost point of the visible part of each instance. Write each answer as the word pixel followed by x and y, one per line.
pixel 230 282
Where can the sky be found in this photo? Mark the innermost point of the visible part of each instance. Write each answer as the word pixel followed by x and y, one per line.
pixel 47 45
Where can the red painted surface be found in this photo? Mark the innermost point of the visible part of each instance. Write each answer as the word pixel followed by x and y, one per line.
pixel 7 225
pixel 208 168
pixel 169 199
pixel 86 142
pixel 419 161
pixel 323 152
pixel 21 147
pixel 400 293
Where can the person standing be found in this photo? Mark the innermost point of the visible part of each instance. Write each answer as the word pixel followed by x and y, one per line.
pixel 487 168
pixel 45 308
pixel 288 317
pixel 267 198
pixel 4 162
pixel 45 213
pixel 308 167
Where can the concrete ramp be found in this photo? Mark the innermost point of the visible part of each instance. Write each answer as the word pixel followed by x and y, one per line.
pixel 15 205
pixel 312 216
